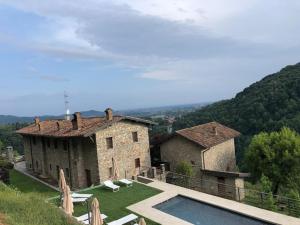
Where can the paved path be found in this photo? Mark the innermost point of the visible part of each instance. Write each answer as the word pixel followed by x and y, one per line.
pixel 21 167
pixel 145 208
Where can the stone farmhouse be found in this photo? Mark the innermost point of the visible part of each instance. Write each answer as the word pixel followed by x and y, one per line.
pixel 85 148
pixel 210 149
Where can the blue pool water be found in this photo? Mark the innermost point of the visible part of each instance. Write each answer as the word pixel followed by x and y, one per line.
pixel 200 213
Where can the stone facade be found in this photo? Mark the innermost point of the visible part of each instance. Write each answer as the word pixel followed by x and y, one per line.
pixel 125 151
pixel 179 149
pixel 219 157
pixel 86 160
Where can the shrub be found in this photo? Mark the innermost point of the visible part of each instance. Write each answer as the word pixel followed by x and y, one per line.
pixel 6 165
pixel 185 168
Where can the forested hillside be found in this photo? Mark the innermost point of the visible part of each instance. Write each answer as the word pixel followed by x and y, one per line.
pixel 266 105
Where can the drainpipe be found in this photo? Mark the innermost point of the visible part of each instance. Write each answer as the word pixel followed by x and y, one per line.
pixel 32 161
pixel 203 161
pixel 70 166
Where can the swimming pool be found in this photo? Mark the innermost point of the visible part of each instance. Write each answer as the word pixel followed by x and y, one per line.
pixel 200 213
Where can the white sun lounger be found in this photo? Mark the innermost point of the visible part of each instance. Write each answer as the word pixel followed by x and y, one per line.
pixel 85 218
pixel 76 200
pixel 77 195
pixel 124 220
pixel 109 184
pixel 128 183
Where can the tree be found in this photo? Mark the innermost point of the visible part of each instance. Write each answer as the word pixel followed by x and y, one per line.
pixel 277 156
pixel 185 168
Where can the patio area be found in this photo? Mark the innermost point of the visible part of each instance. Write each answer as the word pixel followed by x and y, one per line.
pixel 169 191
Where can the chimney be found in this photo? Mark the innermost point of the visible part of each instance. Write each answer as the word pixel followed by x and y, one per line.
pixel 215 129
pixel 40 126
pixel 57 125
pixel 77 121
pixel 37 121
pixel 109 114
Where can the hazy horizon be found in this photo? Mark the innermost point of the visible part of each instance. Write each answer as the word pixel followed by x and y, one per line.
pixel 115 110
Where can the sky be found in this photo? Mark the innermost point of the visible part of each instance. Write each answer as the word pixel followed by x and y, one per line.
pixel 128 54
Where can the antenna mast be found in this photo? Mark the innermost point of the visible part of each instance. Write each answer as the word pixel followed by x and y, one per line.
pixel 67 114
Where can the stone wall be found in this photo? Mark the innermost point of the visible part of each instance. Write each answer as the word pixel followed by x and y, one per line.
pixel 78 157
pixel 233 187
pixel 36 163
pixel 220 157
pixel 179 149
pixel 27 154
pixel 124 150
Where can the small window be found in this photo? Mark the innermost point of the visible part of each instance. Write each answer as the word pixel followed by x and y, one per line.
pixel 137 163
pixel 55 144
pixel 37 164
pixel 193 162
pixel 50 167
pixel 135 137
pixel 48 143
pixel 110 170
pixel 65 144
pixel 109 143
pixel 34 140
pixel 30 165
pixel 67 172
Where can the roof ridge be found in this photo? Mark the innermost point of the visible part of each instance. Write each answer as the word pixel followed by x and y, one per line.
pixel 188 128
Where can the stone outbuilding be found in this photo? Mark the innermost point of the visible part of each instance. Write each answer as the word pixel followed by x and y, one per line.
pixel 85 148
pixel 210 149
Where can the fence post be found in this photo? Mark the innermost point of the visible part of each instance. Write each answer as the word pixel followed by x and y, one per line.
pixel 163 168
pixel 154 172
pixel 239 193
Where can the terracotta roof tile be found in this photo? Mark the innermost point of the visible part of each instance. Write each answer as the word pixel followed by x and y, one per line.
pixel 89 126
pixel 209 134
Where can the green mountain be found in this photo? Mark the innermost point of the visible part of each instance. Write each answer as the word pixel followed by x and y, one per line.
pixel 266 105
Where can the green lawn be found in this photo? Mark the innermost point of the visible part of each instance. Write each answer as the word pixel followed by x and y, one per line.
pixel 114 204
pixel 27 185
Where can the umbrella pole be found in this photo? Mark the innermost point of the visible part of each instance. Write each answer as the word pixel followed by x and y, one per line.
pixel 88 210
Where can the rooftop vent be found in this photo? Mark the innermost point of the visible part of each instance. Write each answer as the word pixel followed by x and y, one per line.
pixel 109 114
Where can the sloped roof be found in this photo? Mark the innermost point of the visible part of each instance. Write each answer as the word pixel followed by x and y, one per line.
pixel 64 128
pixel 209 134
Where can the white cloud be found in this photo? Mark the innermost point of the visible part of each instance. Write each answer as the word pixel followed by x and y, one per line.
pixel 164 75
pixel 174 38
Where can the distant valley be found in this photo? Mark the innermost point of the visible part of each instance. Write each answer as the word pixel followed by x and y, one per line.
pixel 174 110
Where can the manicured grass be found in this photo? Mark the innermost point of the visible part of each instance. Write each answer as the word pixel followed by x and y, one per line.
pixel 26 184
pixel 28 209
pixel 114 204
